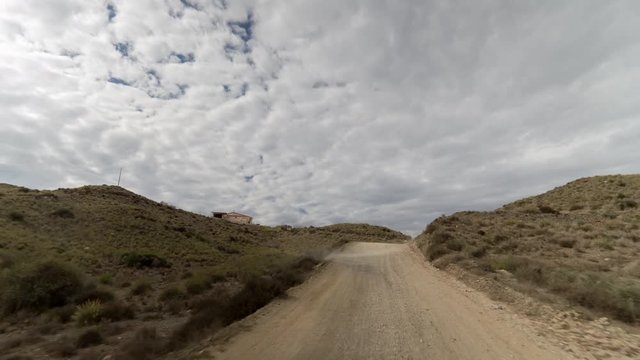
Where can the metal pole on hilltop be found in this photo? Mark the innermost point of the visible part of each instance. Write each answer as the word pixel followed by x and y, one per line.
pixel 119 176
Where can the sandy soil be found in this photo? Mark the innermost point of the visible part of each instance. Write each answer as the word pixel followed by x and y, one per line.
pixel 382 301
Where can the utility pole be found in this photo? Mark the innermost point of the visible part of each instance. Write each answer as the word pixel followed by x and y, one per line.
pixel 119 176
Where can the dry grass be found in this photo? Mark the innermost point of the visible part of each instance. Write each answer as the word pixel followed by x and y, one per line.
pixel 102 254
pixel 579 241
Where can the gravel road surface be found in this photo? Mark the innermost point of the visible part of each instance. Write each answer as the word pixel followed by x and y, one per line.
pixel 382 301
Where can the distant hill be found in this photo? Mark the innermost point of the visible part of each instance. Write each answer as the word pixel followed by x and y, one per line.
pixel 149 260
pixel 580 241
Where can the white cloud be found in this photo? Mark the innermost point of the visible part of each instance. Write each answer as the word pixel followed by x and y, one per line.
pixel 311 112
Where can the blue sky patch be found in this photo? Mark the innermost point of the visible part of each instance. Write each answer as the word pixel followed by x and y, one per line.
pixel 111 11
pixel 243 29
pixel 190 5
pixel 243 90
pixel 184 58
pixel 118 81
pixel 123 48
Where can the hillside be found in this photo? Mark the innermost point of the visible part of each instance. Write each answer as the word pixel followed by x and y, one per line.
pixel 578 244
pixel 114 262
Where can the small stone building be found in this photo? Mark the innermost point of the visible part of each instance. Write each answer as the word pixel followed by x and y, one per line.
pixel 233 217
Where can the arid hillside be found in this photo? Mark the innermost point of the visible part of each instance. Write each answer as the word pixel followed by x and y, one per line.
pixel 578 243
pixel 99 270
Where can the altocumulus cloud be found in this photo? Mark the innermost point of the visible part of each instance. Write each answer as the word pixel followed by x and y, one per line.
pixel 314 112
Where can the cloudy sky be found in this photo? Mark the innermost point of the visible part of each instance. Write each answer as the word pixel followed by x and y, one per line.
pixel 309 112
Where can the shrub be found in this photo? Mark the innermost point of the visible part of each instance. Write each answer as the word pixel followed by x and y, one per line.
pixel 599 292
pixel 431 228
pixel 63 213
pixel 455 245
pixel 498 238
pixel 145 345
pixel 208 315
pixel 197 284
pixel 575 207
pixel 140 261
pixel 216 311
pixel 90 312
pixel 627 204
pixel 618 297
pixel 437 251
pixel 40 286
pixel 106 279
pixel 116 311
pixel 91 293
pixel 91 337
pixel 567 243
pixel 63 347
pixel 227 249
pixel 172 294
pixel 140 288
pixel 63 314
pixel 16 216
pixel 441 243
pixel 478 252
pixel 545 209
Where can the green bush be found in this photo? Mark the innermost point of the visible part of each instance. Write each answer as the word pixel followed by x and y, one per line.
pixel 90 312
pixel 140 261
pixel 94 311
pixel 40 286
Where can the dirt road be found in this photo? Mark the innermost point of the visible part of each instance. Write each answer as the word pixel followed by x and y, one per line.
pixel 381 301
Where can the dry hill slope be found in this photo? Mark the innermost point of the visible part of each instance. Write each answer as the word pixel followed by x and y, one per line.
pixel 580 242
pixel 81 270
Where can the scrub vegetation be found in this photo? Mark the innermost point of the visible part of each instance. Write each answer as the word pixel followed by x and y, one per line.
pixel 99 270
pixel 579 242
